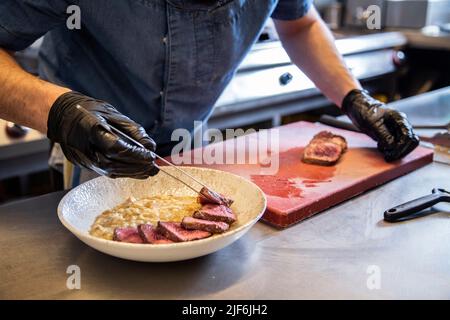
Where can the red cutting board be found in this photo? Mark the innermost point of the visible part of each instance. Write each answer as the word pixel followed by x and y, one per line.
pixel 299 190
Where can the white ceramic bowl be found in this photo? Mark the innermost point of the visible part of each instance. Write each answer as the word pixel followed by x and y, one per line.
pixel 79 208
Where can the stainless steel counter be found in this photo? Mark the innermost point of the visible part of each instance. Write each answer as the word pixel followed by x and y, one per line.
pixel 428 38
pixel 22 156
pixel 332 255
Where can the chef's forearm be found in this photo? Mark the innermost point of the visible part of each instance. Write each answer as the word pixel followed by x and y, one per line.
pixel 311 47
pixel 24 98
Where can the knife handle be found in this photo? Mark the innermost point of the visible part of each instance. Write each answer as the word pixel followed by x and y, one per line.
pixel 414 206
pixel 332 121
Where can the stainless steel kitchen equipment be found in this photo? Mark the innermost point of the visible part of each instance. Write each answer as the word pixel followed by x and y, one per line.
pixel 416 13
pixel 14 130
pixel 357 12
pixel 398 13
pixel 22 155
pixel 332 15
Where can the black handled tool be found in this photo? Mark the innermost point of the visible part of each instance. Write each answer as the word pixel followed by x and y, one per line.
pixel 412 207
pixel 332 121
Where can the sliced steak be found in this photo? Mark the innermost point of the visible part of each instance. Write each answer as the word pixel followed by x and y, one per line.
pixel 214 212
pixel 191 223
pixel 331 137
pixel 207 196
pixel 127 234
pixel 149 235
pixel 325 149
pixel 175 232
pixel 324 153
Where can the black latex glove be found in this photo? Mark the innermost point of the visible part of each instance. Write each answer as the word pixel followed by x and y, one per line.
pixel 86 141
pixel 389 128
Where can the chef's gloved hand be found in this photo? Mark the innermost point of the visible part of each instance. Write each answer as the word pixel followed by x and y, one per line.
pixel 88 143
pixel 389 128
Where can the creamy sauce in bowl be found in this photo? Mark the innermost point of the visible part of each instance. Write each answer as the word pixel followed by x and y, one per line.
pixel 134 212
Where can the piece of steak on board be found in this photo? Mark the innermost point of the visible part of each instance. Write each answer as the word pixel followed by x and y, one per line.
pixel 149 234
pixel 208 196
pixel 325 149
pixel 175 232
pixel 127 234
pixel 205 225
pixel 216 212
pixel 331 137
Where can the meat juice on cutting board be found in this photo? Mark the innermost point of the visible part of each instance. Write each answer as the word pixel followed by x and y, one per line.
pixel 298 190
pixel 306 175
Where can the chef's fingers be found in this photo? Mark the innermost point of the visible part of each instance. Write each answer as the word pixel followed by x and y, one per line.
pixel 383 136
pixel 117 169
pixel 116 148
pixel 399 124
pixel 132 129
pixel 119 158
pixel 405 138
pixel 402 150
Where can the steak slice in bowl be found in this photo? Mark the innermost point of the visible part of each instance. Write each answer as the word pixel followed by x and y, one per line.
pixel 191 223
pixel 175 232
pixel 214 212
pixel 210 197
pixel 127 234
pixel 149 234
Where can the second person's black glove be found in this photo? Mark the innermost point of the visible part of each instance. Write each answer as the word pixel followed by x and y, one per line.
pixel 86 141
pixel 388 127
